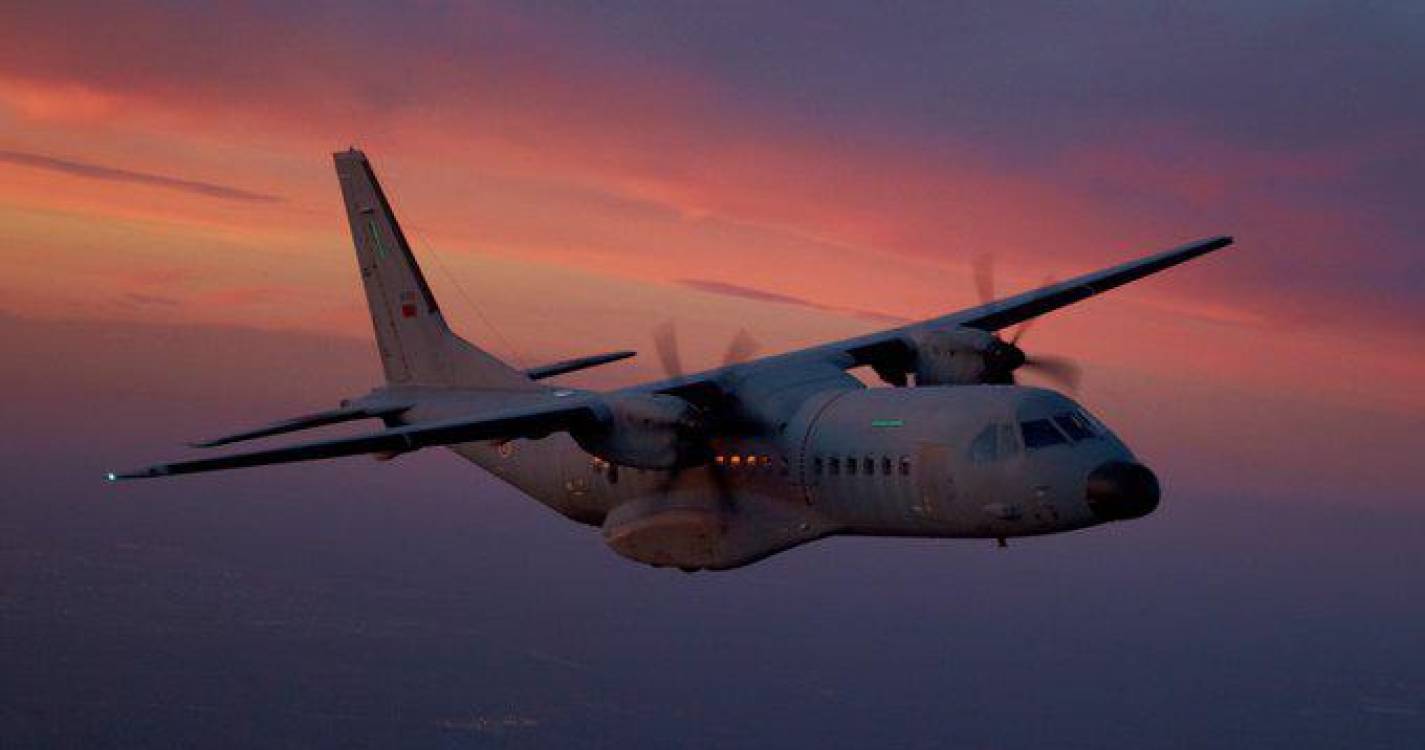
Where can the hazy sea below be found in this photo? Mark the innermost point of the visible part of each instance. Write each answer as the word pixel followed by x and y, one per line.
pixel 420 603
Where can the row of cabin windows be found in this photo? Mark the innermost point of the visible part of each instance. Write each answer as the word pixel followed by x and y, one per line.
pixel 863 465
pixel 746 462
pixel 737 462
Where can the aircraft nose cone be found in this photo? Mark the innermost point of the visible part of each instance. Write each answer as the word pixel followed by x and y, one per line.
pixel 1120 490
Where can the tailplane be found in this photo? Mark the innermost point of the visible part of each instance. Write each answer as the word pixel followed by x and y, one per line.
pixel 415 344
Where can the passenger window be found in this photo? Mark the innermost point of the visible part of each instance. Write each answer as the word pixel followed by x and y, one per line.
pixel 834 466
pixel 868 466
pixel 1073 426
pixel 886 465
pixel 850 466
pixel 816 466
pixel 983 448
pixel 905 466
pixel 1040 433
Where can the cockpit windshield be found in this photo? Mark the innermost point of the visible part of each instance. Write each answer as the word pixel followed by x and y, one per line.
pixel 1076 426
pixel 1041 433
pixel 1067 427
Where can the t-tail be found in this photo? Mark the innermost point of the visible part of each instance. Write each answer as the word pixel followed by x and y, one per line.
pixel 416 345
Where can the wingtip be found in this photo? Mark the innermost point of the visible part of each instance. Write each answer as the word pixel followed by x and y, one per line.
pixel 144 473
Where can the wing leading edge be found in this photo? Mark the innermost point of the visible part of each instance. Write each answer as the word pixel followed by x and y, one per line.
pixel 1002 313
pixel 1022 307
pixel 892 343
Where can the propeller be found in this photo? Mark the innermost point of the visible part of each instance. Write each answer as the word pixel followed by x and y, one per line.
pixel 665 342
pixel 1007 356
pixel 741 348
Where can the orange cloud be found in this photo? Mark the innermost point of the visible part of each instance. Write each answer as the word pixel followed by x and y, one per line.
pixel 542 144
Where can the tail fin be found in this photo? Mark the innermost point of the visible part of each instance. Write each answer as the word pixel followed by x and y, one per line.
pixel 416 345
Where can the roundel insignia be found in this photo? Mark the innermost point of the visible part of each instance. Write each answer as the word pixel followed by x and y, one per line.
pixel 506 449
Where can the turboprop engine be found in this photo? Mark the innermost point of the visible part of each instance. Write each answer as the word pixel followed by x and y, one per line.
pixel 963 356
pixel 646 432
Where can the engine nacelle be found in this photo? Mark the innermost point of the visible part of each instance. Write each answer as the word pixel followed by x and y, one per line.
pixel 963 356
pixel 646 432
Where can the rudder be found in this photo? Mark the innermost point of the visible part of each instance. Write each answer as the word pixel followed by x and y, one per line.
pixel 415 344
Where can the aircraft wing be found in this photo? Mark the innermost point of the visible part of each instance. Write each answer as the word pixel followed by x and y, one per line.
pixel 528 422
pixel 1021 307
pixel 891 344
pixel 1002 313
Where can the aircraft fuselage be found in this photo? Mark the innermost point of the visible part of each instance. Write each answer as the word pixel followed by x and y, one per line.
pixel 958 461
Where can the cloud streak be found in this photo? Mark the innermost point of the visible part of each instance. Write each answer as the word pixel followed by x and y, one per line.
pixel 115 174
pixel 725 289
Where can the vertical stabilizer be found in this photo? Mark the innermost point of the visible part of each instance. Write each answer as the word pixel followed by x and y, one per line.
pixel 415 344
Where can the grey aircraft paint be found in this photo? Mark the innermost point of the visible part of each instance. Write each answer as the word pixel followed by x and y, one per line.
pixel 722 468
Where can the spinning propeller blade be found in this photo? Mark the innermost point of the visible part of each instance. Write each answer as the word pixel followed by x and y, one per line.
pixel 1059 370
pixel 741 348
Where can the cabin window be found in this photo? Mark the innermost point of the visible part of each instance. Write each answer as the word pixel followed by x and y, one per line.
pixel 833 466
pixel 868 466
pixel 886 465
pixel 905 466
pixel 816 466
pixel 736 461
pixel 1041 433
pixel 850 466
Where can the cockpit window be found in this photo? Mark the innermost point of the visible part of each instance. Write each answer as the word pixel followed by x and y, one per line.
pixel 1008 441
pixel 1075 426
pixel 983 448
pixel 994 443
pixel 1040 433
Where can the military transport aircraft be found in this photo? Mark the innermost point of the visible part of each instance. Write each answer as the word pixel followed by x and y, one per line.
pixel 722 468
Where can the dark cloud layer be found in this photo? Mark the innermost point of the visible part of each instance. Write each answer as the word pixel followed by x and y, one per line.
pixel 1031 75
pixel 114 174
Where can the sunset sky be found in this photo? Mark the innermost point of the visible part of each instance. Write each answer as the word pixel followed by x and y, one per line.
pixel 573 173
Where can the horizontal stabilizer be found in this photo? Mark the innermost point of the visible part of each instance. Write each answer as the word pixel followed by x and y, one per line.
pixel 304 422
pixel 574 365
pixel 529 422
